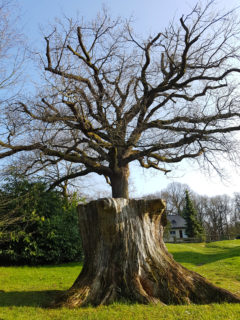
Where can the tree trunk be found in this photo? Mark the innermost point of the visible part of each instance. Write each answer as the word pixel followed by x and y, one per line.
pixel 119 182
pixel 126 259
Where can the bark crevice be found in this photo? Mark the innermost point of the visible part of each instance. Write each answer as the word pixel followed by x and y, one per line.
pixel 126 259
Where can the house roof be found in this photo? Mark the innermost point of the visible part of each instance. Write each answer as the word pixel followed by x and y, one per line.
pixel 176 221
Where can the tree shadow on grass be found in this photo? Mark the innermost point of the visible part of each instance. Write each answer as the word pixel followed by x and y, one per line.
pixel 28 298
pixel 197 258
pixel 46 266
pixel 43 299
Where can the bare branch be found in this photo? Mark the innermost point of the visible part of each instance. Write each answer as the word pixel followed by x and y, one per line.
pixel 111 98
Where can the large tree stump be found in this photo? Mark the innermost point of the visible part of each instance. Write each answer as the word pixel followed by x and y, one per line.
pixel 126 259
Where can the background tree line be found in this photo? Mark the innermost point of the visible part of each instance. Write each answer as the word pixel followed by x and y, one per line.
pixel 39 226
pixel 219 215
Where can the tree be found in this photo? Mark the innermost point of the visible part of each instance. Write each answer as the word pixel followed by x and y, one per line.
pixel 11 49
pixel 12 54
pixel 215 214
pixel 174 196
pixel 115 100
pixel 112 99
pixel 220 208
pixel 236 215
pixel 201 204
pixel 193 228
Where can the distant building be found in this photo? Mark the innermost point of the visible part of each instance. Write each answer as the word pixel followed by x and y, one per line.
pixel 178 228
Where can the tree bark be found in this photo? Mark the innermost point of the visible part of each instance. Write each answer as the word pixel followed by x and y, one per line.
pixel 127 260
pixel 119 183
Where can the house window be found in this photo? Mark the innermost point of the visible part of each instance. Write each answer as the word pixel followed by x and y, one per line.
pixel 173 232
pixel 180 233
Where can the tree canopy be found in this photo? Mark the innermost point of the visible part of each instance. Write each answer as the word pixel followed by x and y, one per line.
pixel 112 98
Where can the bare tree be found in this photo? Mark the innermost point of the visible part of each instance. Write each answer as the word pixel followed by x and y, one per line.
pixel 11 49
pixel 112 99
pixel 221 219
pixel 115 100
pixel 174 195
pixel 12 55
pixel 53 171
pixel 235 217
pixel 7 218
pixel 215 213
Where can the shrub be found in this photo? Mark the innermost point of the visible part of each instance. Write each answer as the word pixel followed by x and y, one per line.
pixel 45 228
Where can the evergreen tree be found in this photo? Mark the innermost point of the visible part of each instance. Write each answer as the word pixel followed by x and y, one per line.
pixel 194 228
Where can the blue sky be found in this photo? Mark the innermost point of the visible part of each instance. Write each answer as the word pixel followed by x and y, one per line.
pixel 149 16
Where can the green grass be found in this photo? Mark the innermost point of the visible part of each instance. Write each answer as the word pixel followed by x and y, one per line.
pixel 25 290
pixel 217 261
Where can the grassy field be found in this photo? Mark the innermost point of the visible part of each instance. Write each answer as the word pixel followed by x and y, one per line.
pixel 25 290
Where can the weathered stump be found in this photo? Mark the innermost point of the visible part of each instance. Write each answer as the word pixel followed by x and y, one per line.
pixel 126 259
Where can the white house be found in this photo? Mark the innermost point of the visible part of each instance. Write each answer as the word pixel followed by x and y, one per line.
pixel 178 228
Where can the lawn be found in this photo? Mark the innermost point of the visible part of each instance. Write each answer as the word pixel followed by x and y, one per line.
pixel 25 290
